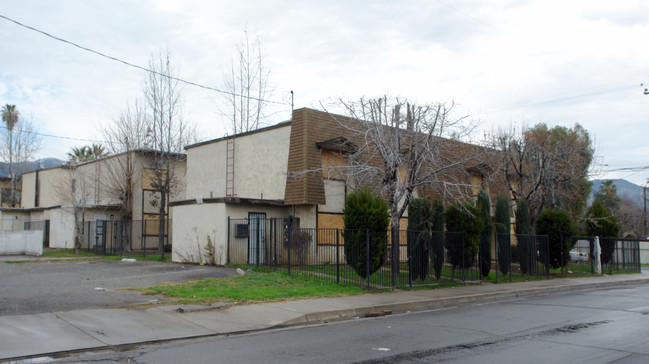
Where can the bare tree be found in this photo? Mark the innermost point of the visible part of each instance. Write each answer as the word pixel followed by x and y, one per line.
pixel 400 149
pixel 247 86
pixel 167 130
pixel 548 167
pixel 126 134
pixel 19 144
pixel 75 190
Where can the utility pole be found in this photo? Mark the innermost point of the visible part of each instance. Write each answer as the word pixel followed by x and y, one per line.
pixel 644 189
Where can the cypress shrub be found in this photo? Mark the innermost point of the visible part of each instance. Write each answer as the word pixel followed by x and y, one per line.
pixel 487 232
pixel 420 216
pixel 365 211
pixel 463 218
pixel 437 248
pixel 558 226
pixel 503 223
pixel 523 228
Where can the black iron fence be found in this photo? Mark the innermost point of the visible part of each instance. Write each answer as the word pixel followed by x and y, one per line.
pixel 124 237
pixel 371 261
pixel 519 257
pixel 421 258
pixel 615 254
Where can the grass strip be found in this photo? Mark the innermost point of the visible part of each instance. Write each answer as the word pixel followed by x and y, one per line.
pixel 253 287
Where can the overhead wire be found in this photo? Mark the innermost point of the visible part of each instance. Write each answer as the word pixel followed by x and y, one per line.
pixel 112 58
pixel 54 136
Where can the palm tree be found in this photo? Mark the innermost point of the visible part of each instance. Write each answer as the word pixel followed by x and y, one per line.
pixel 10 117
pixel 86 153
pixel 80 154
pixel 98 151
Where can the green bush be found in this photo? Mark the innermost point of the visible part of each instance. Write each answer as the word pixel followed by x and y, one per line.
pixel 437 248
pixel 364 211
pixel 503 223
pixel 487 232
pixel 601 222
pixel 523 228
pixel 463 218
pixel 299 243
pixel 420 218
pixel 558 226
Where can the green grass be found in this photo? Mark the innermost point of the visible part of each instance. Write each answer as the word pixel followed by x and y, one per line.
pixel 253 287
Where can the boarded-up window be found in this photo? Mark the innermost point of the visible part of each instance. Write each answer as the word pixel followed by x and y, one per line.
pixel 150 178
pixel 330 162
pixel 152 225
pixel 326 225
pixel 151 202
pixel 476 183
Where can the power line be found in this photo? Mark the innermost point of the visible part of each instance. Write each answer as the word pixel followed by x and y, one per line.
pixel 136 66
pixel 52 135
pixel 630 169
pixel 560 99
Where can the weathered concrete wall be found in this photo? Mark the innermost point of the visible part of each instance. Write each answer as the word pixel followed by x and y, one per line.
pixel 21 242
pixel 260 164
pixel 644 252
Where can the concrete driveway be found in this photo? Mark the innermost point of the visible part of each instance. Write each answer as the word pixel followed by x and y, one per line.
pixel 40 286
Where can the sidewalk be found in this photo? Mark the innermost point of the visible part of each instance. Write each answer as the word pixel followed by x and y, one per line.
pixel 46 334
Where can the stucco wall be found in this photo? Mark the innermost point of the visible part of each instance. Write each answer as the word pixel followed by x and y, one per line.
pixel 260 164
pixel 49 185
pixel 335 192
pixel 191 227
pixel 21 242
pixel 206 170
pixel 644 252
pixel 192 224
pixel 62 228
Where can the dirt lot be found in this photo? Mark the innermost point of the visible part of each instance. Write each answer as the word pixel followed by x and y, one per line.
pixel 37 286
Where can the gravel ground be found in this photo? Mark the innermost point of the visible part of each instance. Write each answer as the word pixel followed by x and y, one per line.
pixel 40 286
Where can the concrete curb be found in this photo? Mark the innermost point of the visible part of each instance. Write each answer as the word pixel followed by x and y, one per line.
pixel 350 308
pixel 344 314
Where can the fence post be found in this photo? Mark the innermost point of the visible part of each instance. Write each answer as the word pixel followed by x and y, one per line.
pixel 561 248
pixel 290 227
pixel 227 243
pixel 367 257
pixel 463 258
pixel 497 242
pixel 273 239
pixel 337 257
pixel 509 261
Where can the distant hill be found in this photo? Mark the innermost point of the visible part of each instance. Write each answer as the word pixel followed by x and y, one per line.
pixel 623 187
pixel 32 166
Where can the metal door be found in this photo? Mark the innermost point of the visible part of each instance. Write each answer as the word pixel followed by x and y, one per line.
pixel 256 238
pixel 100 237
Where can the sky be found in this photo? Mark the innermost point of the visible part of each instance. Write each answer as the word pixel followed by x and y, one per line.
pixel 503 63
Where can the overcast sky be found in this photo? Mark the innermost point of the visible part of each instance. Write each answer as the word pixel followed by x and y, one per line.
pixel 503 62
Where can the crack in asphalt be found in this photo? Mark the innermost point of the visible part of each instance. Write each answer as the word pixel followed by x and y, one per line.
pixel 454 349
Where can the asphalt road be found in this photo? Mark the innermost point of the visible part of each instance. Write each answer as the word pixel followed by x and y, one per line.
pixel 38 287
pixel 588 326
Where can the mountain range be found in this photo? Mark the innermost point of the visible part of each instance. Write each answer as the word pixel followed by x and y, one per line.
pixel 623 187
pixel 32 166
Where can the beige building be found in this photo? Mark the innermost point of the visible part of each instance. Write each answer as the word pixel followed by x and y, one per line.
pixel 286 171
pixel 115 188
